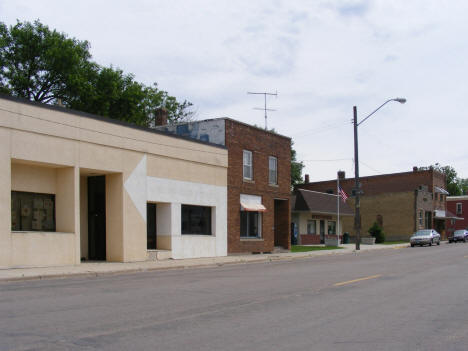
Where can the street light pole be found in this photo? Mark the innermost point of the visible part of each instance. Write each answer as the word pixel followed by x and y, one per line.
pixel 357 184
pixel 357 187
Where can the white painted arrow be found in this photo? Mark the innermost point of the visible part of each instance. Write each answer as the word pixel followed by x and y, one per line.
pixel 136 187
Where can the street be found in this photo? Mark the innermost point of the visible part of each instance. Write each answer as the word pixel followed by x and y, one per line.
pixel 393 299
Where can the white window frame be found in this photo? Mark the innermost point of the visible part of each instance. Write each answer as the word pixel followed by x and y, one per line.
pixel 247 169
pixel 272 172
pixel 459 205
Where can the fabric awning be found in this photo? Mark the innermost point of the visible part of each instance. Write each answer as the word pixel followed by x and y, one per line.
pixel 441 191
pixel 249 206
pixel 251 203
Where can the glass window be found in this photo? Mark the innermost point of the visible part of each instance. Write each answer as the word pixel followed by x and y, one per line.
pixel 247 165
pixel 251 224
pixel 32 212
pixel 311 227
pixel 196 220
pixel 459 208
pixel 331 227
pixel 421 217
pixel 272 170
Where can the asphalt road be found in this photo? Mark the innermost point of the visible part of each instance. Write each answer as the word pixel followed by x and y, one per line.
pixel 396 299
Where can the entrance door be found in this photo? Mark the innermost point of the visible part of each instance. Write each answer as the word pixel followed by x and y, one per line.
pixel 281 223
pixel 151 226
pixel 97 218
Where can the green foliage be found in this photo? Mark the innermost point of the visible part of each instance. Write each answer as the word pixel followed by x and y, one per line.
pixel 455 186
pixel 377 232
pixel 40 64
pixel 296 168
pixel 44 65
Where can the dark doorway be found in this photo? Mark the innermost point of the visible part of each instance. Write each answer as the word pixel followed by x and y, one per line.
pixel 151 226
pixel 322 231
pixel 281 223
pixel 97 218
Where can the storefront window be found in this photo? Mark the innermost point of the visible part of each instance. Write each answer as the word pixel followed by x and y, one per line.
pixel 251 224
pixel 196 220
pixel 32 212
pixel 311 227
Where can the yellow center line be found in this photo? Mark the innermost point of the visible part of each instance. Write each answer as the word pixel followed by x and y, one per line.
pixel 358 280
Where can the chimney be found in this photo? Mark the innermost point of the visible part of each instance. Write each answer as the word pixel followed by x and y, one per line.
pixel 160 117
pixel 341 174
pixel 415 169
pixel 306 179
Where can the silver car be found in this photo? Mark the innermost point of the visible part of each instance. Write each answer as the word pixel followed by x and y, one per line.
pixel 459 235
pixel 425 237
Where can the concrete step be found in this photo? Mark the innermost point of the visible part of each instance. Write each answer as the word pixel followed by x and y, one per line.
pixel 279 249
pixel 159 255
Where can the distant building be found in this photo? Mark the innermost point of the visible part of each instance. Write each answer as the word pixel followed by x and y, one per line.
pixel 458 206
pixel 400 202
pixel 259 180
pixel 315 216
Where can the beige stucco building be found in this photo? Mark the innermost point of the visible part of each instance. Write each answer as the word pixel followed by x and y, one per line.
pixel 81 187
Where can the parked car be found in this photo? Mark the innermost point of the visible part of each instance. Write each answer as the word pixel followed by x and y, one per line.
pixel 458 235
pixel 425 237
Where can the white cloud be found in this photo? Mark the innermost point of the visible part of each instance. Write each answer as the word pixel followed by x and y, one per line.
pixel 323 57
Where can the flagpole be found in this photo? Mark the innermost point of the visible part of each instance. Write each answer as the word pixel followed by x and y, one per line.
pixel 338 206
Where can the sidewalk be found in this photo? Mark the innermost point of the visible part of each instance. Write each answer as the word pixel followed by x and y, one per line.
pixel 90 269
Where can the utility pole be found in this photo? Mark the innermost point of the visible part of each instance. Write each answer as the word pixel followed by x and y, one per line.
pixel 357 185
pixel 265 106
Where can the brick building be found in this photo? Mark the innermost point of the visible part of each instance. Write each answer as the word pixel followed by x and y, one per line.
pixel 458 205
pixel 400 202
pixel 259 177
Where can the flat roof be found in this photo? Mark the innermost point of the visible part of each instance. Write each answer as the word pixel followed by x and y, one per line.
pixel 235 121
pixel 104 119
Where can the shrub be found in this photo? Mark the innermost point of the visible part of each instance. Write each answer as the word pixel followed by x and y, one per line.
pixel 377 232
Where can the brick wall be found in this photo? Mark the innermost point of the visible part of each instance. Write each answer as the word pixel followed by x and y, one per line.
pixel 263 144
pixel 396 211
pixel 452 207
pixel 393 196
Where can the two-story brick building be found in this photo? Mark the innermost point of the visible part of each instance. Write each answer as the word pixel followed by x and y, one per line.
pixel 458 205
pixel 258 183
pixel 400 202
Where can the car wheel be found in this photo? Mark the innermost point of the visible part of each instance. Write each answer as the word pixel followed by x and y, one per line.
pixel 438 242
pixel 464 239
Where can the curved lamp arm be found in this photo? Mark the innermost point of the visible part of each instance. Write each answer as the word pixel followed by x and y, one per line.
pixel 400 100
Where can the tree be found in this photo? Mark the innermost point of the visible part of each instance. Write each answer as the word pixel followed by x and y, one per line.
pixel 39 64
pixel 296 168
pixel 455 185
pixel 44 65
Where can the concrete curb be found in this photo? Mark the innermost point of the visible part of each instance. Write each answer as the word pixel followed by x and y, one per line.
pixel 26 274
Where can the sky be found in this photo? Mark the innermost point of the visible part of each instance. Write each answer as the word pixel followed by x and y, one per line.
pixel 322 57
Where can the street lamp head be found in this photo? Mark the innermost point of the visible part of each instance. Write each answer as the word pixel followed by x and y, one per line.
pixel 400 100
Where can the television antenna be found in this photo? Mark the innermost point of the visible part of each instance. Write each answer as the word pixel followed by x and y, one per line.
pixel 265 106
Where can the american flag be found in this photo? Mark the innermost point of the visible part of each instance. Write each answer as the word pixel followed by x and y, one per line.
pixel 343 194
